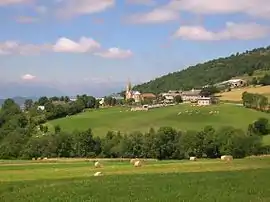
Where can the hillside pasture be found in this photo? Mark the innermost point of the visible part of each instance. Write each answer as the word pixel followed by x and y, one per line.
pixel 235 95
pixel 204 180
pixel 182 117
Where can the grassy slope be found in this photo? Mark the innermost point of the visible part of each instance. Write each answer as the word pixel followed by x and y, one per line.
pixel 104 120
pixel 206 180
pixel 236 94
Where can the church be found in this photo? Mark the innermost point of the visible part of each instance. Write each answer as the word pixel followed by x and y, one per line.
pixel 136 95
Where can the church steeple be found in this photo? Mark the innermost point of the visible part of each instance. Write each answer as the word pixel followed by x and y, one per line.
pixel 128 90
pixel 129 86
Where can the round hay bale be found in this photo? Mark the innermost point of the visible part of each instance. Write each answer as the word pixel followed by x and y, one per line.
pixel 39 158
pixel 97 164
pixel 132 161
pixel 33 159
pixel 45 158
pixel 226 158
pixel 98 174
pixel 138 164
pixel 193 158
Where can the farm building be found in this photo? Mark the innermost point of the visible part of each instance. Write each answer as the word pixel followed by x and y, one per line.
pixel 191 96
pixel 233 83
pixel 42 108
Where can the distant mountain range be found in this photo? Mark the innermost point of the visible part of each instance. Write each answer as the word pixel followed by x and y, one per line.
pixel 21 91
pixel 13 89
pixel 19 100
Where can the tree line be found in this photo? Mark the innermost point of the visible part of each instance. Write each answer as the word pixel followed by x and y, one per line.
pixel 255 101
pixel 20 138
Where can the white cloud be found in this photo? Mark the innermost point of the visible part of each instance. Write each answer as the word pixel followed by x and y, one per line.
pixel 258 8
pixel 155 16
pixel 115 53
pixel 14 47
pixel 242 31
pixel 12 2
pixel 81 7
pixel 82 46
pixel 28 77
pixel 142 2
pixel 63 45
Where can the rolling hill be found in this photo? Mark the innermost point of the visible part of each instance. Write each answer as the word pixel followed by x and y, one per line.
pixel 211 72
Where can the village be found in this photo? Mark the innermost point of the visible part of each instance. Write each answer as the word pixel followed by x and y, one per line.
pixel 145 101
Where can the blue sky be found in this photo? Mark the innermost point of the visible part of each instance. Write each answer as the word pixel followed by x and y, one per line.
pixel 107 42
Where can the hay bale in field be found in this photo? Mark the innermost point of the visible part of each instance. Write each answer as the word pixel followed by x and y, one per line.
pixel 39 158
pixel 98 174
pixel 138 164
pixel 45 158
pixel 226 158
pixel 132 161
pixel 33 159
pixel 193 158
pixel 97 164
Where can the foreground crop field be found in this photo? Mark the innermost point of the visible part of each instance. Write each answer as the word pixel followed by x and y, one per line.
pixel 204 180
pixel 119 119
pixel 236 94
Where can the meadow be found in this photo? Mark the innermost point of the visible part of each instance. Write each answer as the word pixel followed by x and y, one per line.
pixel 203 180
pixel 236 94
pixel 121 119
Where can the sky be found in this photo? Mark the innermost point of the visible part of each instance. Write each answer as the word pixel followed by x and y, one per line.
pixel 72 44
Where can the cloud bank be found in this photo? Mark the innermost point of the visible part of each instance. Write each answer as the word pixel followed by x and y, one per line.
pixel 239 31
pixel 63 45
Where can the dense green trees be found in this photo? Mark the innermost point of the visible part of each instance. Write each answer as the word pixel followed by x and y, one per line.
pixel 23 137
pixel 212 72
pixel 265 80
pixel 255 101
pixel 165 143
pixel 20 138
pixel 58 107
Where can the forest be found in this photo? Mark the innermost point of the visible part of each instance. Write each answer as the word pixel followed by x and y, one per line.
pixel 211 72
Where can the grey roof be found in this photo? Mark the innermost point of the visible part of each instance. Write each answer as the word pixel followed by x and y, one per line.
pixel 191 93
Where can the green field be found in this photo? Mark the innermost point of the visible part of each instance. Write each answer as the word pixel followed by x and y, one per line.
pixel 204 180
pixel 119 119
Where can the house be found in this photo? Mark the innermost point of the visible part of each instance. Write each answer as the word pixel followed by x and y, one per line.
pixel 101 101
pixel 42 108
pixel 204 101
pixel 73 99
pixel 233 83
pixel 170 95
pixel 168 98
pixel 191 96
pixel 149 96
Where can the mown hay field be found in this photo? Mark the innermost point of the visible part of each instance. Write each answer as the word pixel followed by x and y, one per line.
pixel 236 94
pixel 203 180
pixel 182 117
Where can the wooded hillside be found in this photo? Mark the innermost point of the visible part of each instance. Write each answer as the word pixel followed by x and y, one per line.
pixel 211 72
